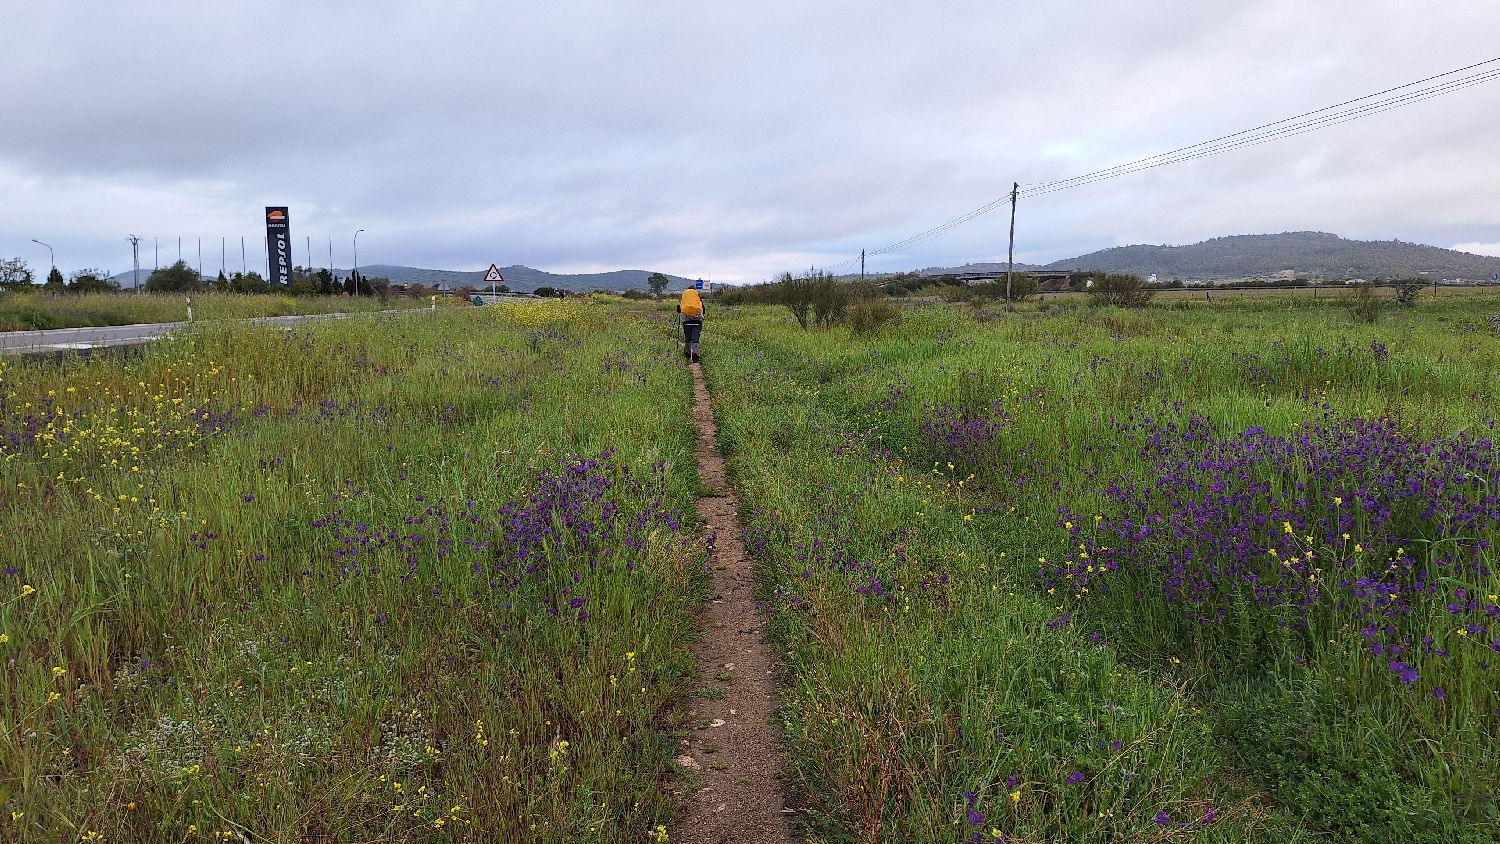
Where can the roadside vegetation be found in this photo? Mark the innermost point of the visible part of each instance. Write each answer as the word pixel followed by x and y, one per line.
pixel 41 311
pixel 418 577
pixel 90 298
pixel 1173 572
pixel 1071 572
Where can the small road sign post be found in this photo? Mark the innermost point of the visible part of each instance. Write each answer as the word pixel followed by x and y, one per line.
pixel 493 276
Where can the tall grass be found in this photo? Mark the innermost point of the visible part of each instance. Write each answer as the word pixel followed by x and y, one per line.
pixel 414 578
pixel 37 311
pixel 981 452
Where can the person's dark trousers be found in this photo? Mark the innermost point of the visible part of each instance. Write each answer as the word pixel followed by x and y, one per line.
pixel 692 329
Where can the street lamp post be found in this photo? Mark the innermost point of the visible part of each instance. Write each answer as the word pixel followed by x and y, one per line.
pixel 50 256
pixel 356 262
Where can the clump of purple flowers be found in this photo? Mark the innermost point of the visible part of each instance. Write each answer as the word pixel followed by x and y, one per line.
pixel 954 434
pixel 976 818
pixel 589 518
pixel 1355 526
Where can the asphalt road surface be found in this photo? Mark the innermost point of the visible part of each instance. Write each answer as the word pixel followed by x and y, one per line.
pixel 83 339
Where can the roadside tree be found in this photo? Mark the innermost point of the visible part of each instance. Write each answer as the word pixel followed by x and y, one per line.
pixel 248 283
pixel 830 301
pixel 15 275
pixel 174 279
pixel 92 281
pixel 797 295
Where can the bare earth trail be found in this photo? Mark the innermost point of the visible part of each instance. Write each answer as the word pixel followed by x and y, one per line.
pixel 733 748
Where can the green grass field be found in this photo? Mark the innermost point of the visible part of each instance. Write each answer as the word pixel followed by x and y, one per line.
pixel 393 579
pixel 1184 573
pixel 908 490
pixel 38 311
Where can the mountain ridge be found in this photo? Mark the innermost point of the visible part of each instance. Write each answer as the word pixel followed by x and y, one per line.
pixel 517 277
pixel 1307 254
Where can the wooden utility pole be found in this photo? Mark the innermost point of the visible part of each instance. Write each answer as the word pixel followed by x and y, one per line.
pixel 1011 259
pixel 861 265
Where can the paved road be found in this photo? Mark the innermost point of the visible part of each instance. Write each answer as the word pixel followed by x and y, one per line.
pixel 80 339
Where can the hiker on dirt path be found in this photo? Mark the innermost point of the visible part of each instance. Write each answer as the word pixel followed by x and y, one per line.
pixel 691 309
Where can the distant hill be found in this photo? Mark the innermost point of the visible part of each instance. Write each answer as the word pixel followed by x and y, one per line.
pixel 517 277
pixel 1303 254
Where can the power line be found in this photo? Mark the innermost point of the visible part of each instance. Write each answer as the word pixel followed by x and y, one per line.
pixel 1390 98
pixel 1312 121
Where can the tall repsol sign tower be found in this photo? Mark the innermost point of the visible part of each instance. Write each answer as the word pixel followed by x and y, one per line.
pixel 278 246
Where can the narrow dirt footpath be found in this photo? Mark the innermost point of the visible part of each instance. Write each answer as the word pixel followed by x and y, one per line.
pixel 733 750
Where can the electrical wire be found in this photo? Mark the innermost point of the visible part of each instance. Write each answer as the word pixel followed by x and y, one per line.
pixel 1381 101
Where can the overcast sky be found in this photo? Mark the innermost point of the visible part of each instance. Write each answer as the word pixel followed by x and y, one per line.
pixel 731 140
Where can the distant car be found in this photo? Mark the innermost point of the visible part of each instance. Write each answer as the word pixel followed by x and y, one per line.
pixel 477 300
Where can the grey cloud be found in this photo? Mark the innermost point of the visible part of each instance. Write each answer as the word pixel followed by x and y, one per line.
pixel 738 139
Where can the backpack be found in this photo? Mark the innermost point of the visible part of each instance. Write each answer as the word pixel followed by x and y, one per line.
pixel 691 306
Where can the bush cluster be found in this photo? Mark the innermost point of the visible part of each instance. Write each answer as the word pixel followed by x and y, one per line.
pixel 1363 304
pixel 870 315
pixel 1122 290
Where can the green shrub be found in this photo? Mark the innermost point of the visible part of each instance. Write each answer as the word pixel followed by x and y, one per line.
pixel 1363 304
pixel 830 300
pixel 1121 290
pixel 816 298
pixel 870 315
pixel 174 279
pixel 1407 290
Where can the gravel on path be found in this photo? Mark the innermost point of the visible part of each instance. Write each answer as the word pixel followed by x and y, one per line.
pixel 733 751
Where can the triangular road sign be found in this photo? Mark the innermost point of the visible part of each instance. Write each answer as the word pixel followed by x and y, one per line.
pixel 493 274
